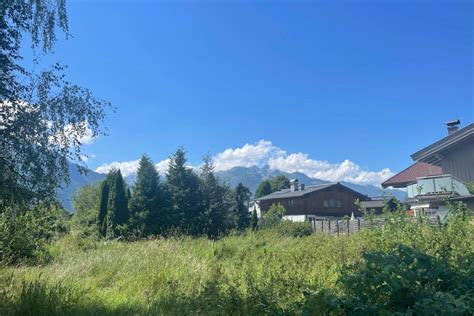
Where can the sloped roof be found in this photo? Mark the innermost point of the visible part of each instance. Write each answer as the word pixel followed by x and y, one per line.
pixel 287 193
pixel 409 175
pixel 429 153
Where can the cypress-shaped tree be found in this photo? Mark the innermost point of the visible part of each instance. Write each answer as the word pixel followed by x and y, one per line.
pixel 254 219
pixel 102 214
pixel 117 208
pixel 144 204
pixel 242 196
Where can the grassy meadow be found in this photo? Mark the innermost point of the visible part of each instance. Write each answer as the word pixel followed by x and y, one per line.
pixel 251 273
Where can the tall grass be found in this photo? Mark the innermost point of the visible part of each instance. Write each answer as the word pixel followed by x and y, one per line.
pixel 252 273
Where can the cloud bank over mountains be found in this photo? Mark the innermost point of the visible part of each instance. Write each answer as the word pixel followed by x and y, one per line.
pixel 265 153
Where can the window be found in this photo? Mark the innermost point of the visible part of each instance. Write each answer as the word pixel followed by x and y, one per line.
pixel 290 202
pixel 333 203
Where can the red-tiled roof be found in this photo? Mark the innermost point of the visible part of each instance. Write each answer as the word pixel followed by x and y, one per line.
pixel 417 170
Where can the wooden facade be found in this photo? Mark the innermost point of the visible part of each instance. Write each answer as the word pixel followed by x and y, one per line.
pixel 333 201
pixel 459 161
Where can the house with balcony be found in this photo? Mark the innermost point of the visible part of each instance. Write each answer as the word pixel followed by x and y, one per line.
pixel 440 173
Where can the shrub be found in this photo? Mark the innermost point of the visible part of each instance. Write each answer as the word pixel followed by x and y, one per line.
pixel 25 232
pixel 273 216
pixel 402 281
pixel 294 229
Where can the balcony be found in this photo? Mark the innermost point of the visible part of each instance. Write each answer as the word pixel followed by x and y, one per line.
pixel 442 186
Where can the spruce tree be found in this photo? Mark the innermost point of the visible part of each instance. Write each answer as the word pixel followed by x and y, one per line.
pixel 242 196
pixel 182 187
pixel 144 204
pixel 216 202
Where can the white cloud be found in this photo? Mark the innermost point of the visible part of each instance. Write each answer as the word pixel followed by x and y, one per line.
pixel 130 167
pixel 88 137
pixel 79 131
pixel 162 166
pixel 265 153
pixel 126 167
pixel 247 155
pixel 87 157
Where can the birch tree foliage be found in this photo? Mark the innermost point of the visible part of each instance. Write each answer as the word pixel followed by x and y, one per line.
pixel 44 118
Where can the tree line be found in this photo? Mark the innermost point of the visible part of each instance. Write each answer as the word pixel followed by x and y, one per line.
pixel 187 201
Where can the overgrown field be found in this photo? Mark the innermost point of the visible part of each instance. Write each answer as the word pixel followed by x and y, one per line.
pixel 401 268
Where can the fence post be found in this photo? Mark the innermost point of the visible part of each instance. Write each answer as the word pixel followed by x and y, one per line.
pixel 337 226
pixel 348 228
pixel 358 224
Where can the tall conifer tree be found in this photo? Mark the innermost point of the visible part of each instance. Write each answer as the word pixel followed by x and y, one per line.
pixel 216 202
pixel 182 187
pixel 117 208
pixel 242 196
pixel 145 203
pixel 104 200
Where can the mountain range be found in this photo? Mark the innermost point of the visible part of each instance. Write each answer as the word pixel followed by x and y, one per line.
pixel 248 176
pixel 252 176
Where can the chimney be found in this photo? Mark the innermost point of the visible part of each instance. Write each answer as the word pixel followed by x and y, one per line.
pixel 294 185
pixel 453 126
pixel 302 186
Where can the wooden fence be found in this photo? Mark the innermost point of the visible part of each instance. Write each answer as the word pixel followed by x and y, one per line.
pixel 347 226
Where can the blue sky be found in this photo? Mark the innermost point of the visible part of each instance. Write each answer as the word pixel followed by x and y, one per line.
pixel 366 81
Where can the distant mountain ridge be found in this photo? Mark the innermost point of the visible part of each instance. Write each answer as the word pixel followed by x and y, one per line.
pixel 252 176
pixel 66 194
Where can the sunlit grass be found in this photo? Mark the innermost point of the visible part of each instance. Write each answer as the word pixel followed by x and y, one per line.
pixel 251 273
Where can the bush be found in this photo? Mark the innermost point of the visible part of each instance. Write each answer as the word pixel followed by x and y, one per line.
pixel 25 232
pixel 404 280
pixel 294 229
pixel 273 216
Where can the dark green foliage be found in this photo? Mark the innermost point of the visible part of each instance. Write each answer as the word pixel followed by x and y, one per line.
pixel 405 280
pixel 145 206
pixel 254 219
pixel 242 197
pixel 104 201
pixel 264 188
pixel 183 189
pixel 274 184
pixel 113 214
pixel 216 203
pixel 117 207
